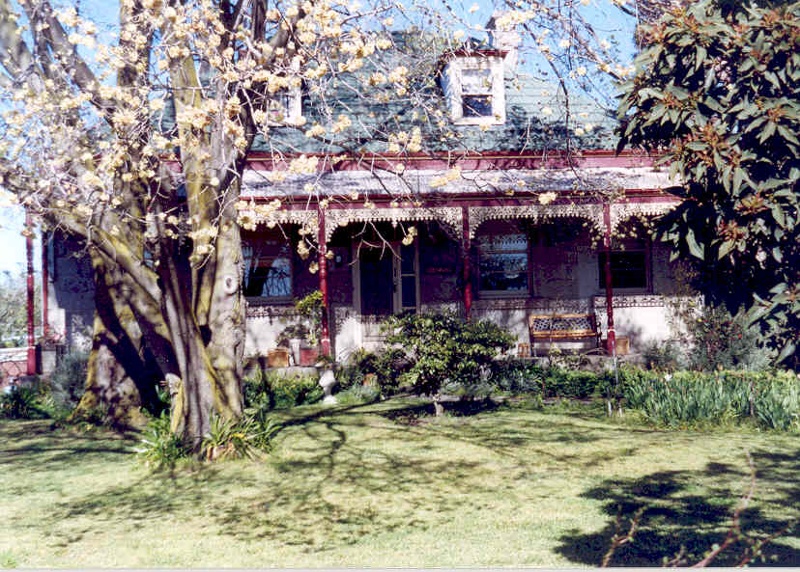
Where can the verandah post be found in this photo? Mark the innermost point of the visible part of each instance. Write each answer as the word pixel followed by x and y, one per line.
pixel 609 283
pixel 325 336
pixel 30 368
pixel 467 273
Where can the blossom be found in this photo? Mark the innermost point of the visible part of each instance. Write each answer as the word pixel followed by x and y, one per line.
pixel 547 198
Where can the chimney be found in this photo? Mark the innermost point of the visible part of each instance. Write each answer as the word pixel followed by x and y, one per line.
pixel 507 40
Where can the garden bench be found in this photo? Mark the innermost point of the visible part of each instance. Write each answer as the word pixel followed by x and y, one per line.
pixel 570 331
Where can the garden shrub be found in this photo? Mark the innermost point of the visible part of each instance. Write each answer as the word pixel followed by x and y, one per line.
pixel 721 342
pixel 385 366
pixel 358 395
pixel 573 384
pixel 355 369
pixel 524 376
pixel 443 351
pixel 663 355
pixel 68 380
pixel 391 364
pixel 22 403
pixel 270 390
pixel 516 375
pixel 290 391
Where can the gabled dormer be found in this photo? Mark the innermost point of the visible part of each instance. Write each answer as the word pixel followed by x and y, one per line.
pixel 474 87
pixel 285 106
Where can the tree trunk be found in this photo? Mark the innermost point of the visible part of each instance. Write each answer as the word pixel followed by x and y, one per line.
pixel 438 406
pixel 109 391
pixel 122 374
pixel 226 315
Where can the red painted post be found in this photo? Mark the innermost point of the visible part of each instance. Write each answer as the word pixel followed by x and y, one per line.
pixel 612 336
pixel 45 289
pixel 325 335
pixel 467 271
pixel 31 358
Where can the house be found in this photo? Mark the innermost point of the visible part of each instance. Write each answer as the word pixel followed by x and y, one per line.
pixel 509 212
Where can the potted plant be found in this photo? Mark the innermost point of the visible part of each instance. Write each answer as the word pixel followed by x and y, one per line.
pixel 303 337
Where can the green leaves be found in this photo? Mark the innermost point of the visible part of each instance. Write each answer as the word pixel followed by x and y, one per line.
pixel 443 349
pixel 719 93
pixel 695 248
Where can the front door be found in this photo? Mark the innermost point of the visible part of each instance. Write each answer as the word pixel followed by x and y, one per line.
pixel 388 281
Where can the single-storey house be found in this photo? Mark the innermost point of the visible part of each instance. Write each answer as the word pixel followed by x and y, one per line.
pixel 531 220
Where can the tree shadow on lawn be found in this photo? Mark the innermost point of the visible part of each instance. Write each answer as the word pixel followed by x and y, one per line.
pixel 351 488
pixel 332 488
pixel 33 445
pixel 680 518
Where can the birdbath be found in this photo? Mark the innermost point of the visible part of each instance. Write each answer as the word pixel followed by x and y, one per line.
pixel 327 380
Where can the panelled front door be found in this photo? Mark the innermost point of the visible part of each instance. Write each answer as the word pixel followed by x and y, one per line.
pixel 388 282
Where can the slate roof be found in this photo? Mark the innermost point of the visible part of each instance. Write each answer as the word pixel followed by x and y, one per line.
pixel 535 111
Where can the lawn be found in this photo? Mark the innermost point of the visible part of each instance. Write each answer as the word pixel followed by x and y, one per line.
pixel 384 485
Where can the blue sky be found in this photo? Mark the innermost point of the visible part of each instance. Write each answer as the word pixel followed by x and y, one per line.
pixel 12 254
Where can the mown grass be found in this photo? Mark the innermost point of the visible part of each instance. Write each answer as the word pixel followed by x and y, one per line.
pixel 385 485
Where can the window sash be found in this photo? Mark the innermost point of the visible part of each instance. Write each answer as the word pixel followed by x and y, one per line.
pixel 628 269
pixel 268 271
pixel 503 263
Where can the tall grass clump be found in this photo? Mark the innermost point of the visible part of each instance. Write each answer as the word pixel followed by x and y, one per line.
pixel 160 448
pixel 22 403
pixel 68 380
pixel 689 398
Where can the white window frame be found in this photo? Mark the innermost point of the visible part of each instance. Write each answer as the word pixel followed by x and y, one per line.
pixel 453 87
pixel 292 108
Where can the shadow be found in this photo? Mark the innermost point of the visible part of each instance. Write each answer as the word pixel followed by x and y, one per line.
pixel 37 445
pixel 679 522
pixel 419 413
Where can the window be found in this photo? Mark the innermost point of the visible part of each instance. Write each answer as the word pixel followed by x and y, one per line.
pixel 474 89
pixel 268 270
pixel 476 93
pixel 285 107
pixel 628 269
pixel 503 263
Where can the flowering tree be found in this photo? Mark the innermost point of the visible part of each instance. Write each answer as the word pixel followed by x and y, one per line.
pixel 716 90
pixel 136 140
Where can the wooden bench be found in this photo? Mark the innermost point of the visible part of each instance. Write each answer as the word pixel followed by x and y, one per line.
pixel 563 330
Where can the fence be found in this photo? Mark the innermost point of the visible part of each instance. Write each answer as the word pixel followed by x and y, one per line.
pixel 13 363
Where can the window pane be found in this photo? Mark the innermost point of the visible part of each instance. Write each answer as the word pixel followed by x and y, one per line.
pixel 503 262
pixel 278 283
pixel 268 270
pixel 476 82
pixel 504 271
pixel 407 259
pixel 628 270
pixel 409 292
pixel 476 106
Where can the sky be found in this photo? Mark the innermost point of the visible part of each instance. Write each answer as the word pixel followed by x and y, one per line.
pixel 12 243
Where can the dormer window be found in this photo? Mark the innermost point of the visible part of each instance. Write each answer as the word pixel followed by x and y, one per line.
pixel 285 107
pixel 476 93
pixel 474 89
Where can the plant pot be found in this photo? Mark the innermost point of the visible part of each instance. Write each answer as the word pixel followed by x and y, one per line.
pixel 308 356
pixel 279 357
